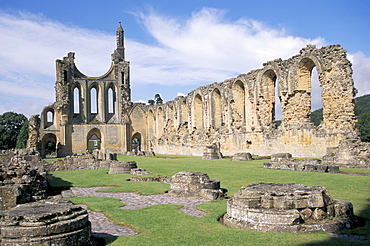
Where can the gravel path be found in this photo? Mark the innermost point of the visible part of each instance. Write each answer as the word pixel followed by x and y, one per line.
pixel 102 226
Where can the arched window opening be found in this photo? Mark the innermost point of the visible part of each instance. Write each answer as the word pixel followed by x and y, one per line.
pixel 76 100
pixel 198 112
pixel 151 124
pixel 268 98
pixel 216 110
pixel 65 76
pixel 94 100
pixel 49 146
pixel 316 98
pixel 238 104
pixel 111 101
pixel 94 142
pixel 136 142
pixel 184 112
pixel 170 116
pixel 277 106
pixel 49 117
pixel 303 90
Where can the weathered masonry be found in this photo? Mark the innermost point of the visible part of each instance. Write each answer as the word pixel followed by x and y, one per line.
pixel 96 113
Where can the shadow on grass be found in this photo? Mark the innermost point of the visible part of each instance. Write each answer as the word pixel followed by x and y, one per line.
pixel 358 236
pixel 102 239
pixel 57 185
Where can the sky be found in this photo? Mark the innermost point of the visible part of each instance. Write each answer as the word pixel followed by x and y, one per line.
pixel 173 46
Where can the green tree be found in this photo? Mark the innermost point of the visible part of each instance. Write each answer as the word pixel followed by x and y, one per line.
pixel 363 125
pixel 158 99
pixel 22 136
pixel 151 102
pixel 316 117
pixel 10 126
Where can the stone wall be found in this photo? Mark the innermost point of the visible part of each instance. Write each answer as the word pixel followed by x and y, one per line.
pixel 83 161
pixel 21 179
pixel 284 161
pixel 349 153
pixel 238 114
pixel 27 215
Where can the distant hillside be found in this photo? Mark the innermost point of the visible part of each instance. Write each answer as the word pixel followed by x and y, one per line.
pixel 362 111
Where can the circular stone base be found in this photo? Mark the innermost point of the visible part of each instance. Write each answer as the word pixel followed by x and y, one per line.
pixel 47 222
pixel 329 226
pixel 289 208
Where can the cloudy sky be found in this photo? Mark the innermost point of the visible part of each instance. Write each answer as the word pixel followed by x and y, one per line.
pixel 173 46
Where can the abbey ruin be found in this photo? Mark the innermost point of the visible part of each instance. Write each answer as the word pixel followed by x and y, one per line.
pixel 237 115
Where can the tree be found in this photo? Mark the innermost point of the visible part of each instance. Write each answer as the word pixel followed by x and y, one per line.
pixel 158 99
pixel 151 102
pixel 363 125
pixel 10 126
pixel 22 136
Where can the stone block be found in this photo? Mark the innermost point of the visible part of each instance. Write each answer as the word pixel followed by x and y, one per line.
pixel 280 156
pixel 242 157
pixel 8 197
pixel 122 166
pixel 333 169
pixel 139 171
pixel 196 184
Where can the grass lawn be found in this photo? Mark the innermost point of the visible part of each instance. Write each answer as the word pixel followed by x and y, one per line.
pixel 166 225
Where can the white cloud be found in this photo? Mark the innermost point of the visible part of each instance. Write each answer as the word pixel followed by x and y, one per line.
pixel 207 43
pixel 361 72
pixel 200 50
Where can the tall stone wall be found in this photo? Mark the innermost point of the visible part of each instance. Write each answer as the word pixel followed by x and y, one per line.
pixel 239 113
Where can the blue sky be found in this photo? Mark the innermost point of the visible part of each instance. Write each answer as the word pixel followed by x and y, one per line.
pixel 173 46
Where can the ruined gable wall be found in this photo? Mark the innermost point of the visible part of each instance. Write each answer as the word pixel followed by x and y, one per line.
pixel 239 113
pixel 69 129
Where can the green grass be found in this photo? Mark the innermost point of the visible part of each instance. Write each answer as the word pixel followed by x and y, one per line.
pixel 166 225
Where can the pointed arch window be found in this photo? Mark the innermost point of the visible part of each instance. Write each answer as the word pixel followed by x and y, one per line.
pixel 111 101
pixel 76 100
pixel 94 100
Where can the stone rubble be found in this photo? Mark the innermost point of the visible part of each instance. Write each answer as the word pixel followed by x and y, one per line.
pixel 284 161
pixel 196 184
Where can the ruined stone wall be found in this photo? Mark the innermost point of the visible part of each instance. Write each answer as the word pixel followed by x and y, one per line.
pixel 21 178
pixel 239 113
pixel 86 108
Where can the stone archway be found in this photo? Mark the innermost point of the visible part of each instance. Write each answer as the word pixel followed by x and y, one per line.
pixel 198 112
pixel 136 142
pixel 94 140
pixel 216 109
pixel 49 145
